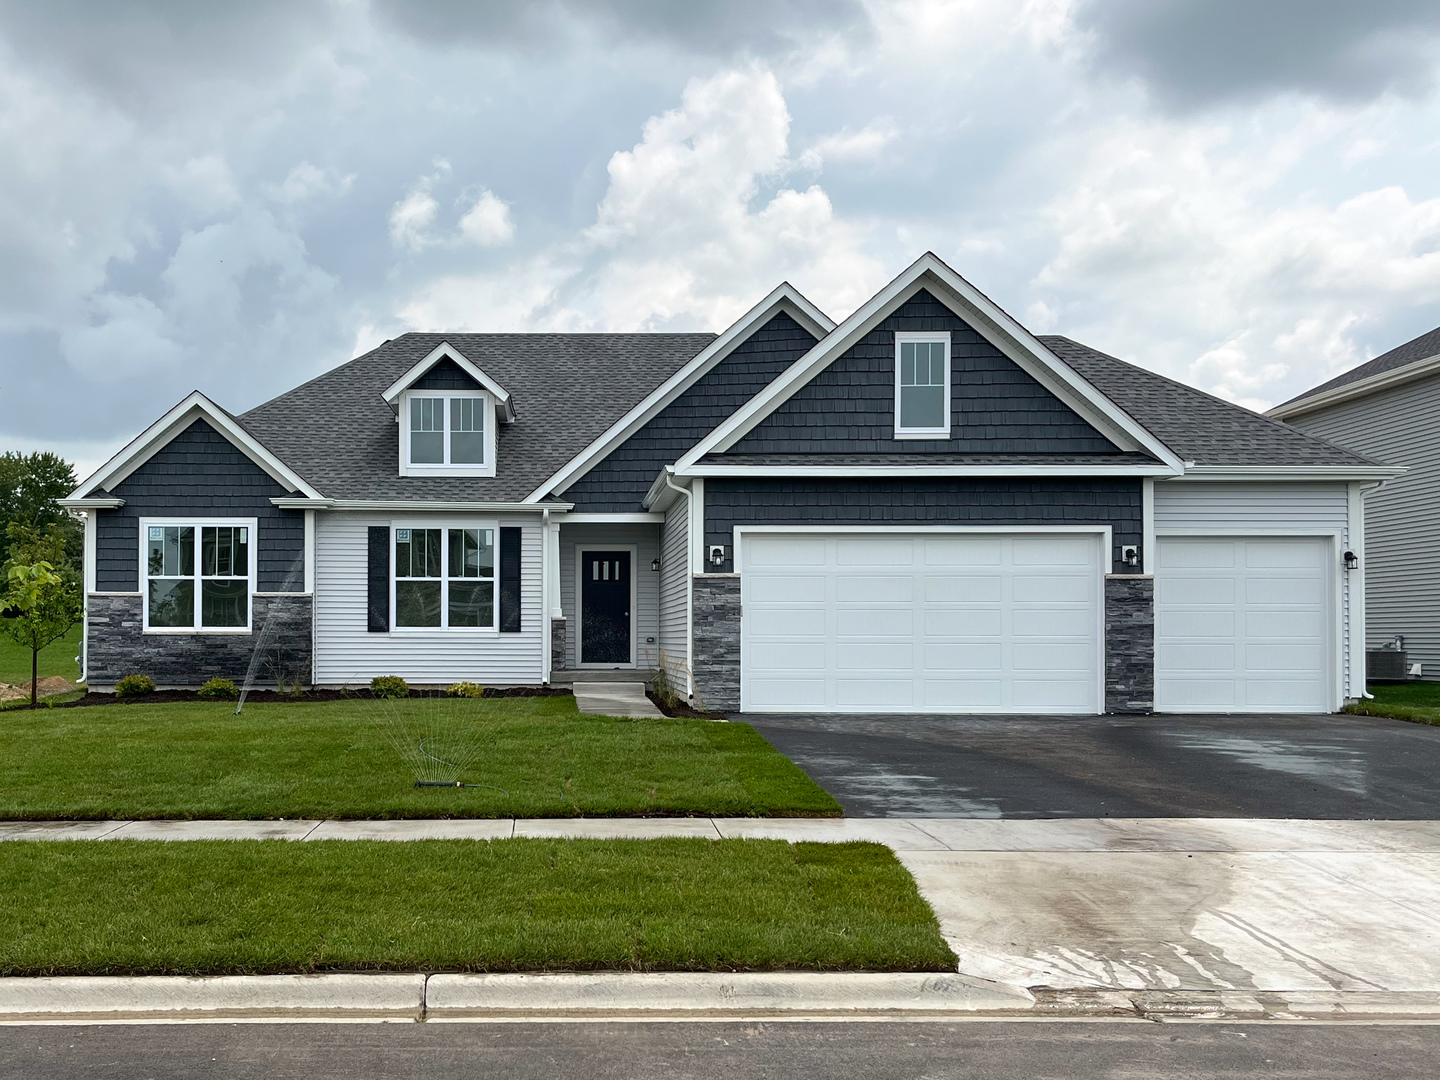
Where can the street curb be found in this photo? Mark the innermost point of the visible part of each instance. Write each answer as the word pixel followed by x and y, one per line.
pixel 178 997
pixel 663 996
pixel 702 993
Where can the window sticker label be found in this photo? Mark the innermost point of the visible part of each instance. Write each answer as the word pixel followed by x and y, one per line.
pixel 402 536
pixel 244 535
pixel 157 532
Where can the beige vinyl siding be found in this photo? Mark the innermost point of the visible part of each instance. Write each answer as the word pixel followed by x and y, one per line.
pixel 1250 509
pixel 346 653
pixel 675 594
pixel 646 541
pixel 1400 426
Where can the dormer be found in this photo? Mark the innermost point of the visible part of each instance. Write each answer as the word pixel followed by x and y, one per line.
pixel 447 411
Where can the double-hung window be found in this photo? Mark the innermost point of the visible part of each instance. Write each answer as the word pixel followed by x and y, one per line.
pixel 447 432
pixel 197 575
pixel 922 386
pixel 445 578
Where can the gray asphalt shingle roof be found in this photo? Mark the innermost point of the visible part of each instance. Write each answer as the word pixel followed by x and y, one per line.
pixel 1420 348
pixel 1195 425
pixel 339 434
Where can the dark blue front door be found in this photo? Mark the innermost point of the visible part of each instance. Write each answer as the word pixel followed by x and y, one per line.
pixel 605 607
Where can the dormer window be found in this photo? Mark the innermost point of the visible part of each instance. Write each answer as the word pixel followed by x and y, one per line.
pixel 447 432
pixel 922 386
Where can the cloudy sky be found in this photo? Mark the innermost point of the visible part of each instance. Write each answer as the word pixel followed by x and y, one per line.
pixel 234 197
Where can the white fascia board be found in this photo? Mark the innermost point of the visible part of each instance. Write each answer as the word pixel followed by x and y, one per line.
pixel 406 505
pixel 504 406
pixel 597 518
pixel 661 494
pixel 1289 472
pixel 908 471
pixel 1417 369
pixel 154 438
pixel 96 503
pixel 785 298
pixel 1000 329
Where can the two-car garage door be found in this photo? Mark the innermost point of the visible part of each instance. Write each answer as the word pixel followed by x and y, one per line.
pixel 944 622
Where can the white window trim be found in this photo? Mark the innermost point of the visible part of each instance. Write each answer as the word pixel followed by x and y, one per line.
pixel 444 579
pixel 901 337
pixel 580 552
pixel 198 523
pixel 409 468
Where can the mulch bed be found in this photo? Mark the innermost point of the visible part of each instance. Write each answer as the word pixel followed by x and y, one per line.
pixel 160 697
pixel 681 710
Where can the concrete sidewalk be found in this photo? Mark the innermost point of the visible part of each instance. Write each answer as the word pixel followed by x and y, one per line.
pixel 1229 912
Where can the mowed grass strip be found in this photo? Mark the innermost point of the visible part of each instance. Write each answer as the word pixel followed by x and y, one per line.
pixel 334 760
pixel 1417 701
pixel 274 906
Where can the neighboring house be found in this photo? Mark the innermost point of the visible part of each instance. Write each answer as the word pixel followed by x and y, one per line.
pixel 1389 409
pixel 922 509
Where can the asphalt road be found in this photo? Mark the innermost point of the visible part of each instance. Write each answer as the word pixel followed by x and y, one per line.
pixel 1338 767
pixel 733 1051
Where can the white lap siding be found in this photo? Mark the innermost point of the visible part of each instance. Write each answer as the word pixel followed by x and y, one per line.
pixel 646 541
pixel 675 595
pixel 1197 508
pixel 347 653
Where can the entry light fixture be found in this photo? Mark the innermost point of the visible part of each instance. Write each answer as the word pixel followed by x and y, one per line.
pixel 655 565
pixel 1351 560
pixel 717 554
pixel 1129 554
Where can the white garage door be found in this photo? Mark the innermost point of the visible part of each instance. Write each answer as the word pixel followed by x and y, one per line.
pixel 860 622
pixel 1242 625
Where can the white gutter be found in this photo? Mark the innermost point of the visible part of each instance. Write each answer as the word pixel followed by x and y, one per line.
pixel 1417 369
pixel 286 502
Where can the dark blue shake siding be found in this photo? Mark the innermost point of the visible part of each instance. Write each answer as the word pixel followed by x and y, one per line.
pixel 618 483
pixel 446 375
pixel 995 407
pixel 200 473
pixel 819 502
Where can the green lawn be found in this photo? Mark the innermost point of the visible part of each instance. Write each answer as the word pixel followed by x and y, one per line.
pixel 335 760
pixel 214 907
pixel 56 659
pixel 1418 701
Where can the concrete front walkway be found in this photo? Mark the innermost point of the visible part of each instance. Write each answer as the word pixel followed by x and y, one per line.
pixel 1244 906
pixel 613 699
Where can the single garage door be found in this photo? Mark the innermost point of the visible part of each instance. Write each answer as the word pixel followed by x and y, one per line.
pixel 865 622
pixel 1242 625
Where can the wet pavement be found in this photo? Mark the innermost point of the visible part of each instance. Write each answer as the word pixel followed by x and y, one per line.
pixel 1326 767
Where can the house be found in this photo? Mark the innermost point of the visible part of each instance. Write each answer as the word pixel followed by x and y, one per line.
pixel 1389 409
pixel 924 508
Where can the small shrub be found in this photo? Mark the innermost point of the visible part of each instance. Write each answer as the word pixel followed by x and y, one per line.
pixel 134 686
pixel 465 689
pixel 219 689
pixel 389 686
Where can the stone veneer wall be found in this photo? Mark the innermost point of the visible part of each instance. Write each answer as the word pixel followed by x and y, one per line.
pixel 716 599
pixel 1129 644
pixel 118 645
pixel 557 644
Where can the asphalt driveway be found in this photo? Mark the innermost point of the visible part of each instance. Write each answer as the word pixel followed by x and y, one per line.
pixel 1336 767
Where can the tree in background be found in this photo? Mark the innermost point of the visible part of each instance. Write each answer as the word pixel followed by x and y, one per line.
pixel 42 599
pixel 31 486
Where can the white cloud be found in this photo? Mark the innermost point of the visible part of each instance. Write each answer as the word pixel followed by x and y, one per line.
pixel 411 220
pixel 845 145
pixel 487 223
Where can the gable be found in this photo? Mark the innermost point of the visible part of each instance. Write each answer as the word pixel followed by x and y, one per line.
pixel 996 407
pixel 446 375
pixel 619 482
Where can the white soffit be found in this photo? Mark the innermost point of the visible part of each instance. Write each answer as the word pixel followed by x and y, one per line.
pixel 504 406
pixel 784 298
pixel 159 434
pixel 1007 335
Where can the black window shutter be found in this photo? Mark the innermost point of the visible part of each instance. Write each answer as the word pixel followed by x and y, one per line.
pixel 510 581
pixel 379 580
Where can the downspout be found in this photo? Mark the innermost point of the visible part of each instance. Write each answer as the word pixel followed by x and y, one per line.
pixel 689 585
pixel 546 631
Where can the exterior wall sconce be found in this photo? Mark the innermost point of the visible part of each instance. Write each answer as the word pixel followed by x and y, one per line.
pixel 1130 554
pixel 717 554
pixel 1351 560
pixel 655 565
